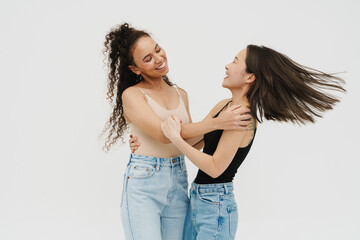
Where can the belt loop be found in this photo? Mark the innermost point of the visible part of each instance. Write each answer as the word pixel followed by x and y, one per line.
pixel 181 164
pixel 157 164
pixel 226 189
pixel 182 159
pixel 197 188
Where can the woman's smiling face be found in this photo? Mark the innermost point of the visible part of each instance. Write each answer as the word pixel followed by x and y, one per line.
pixel 236 74
pixel 149 58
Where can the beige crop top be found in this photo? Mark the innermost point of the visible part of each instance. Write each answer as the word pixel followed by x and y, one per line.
pixel 149 146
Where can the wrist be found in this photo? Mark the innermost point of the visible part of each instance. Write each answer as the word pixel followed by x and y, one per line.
pixel 176 140
pixel 213 124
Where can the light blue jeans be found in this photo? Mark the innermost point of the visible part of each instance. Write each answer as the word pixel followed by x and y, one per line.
pixel 154 200
pixel 212 214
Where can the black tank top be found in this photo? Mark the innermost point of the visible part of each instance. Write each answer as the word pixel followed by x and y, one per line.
pixel 211 140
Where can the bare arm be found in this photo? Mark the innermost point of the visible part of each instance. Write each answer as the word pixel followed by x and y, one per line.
pixel 140 114
pixel 196 142
pixel 234 118
pixel 213 165
pixel 199 145
pixel 195 139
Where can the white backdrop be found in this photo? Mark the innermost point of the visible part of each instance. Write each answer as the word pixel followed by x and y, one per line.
pixel 298 182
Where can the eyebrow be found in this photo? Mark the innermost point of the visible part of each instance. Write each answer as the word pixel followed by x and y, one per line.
pixel 149 54
pixel 236 58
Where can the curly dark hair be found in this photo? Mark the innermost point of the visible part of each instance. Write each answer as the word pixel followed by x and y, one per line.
pixel 285 90
pixel 119 46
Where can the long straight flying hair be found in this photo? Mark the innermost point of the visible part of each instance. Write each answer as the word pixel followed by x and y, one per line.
pixel 284 90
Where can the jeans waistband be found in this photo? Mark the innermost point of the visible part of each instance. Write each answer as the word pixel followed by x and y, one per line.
pixel 214 187
pixel 158 161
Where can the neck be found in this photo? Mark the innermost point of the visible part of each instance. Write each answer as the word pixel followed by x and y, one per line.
pixel 239 97
pixel 153 83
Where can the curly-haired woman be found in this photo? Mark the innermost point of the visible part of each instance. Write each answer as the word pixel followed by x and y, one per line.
pixel 154 199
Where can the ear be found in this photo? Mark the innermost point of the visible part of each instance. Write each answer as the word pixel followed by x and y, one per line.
pixel 251 78
pixel 134 69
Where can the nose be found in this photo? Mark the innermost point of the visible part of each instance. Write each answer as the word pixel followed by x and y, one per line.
pixel 158 58
pixel 227 66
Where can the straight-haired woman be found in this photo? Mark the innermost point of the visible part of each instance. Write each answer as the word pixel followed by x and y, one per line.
pixel 272 86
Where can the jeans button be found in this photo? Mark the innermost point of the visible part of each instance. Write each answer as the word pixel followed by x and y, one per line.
pixel 174 160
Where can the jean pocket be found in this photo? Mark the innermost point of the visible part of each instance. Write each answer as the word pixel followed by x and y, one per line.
pixel 233 219
pixel 210 198
pixel 138 170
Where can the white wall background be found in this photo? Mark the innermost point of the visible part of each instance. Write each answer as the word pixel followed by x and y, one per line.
pixel 298 182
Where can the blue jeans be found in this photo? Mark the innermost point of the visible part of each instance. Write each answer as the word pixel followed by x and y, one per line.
pixel 212 213
pixel 154 200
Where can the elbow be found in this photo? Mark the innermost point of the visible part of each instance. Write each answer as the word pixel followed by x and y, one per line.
pixel 215 174
pixel 216 170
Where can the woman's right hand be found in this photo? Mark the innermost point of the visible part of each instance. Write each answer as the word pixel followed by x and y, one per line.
pixel 133 143
pixel 235 118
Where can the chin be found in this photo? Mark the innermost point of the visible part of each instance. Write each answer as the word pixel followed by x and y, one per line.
pixel 224 85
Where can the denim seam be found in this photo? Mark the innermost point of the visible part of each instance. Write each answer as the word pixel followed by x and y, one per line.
pixel 208 202
pixel 152 172
pixel 127 206
pixel 157 164
pixel 233 207
pixel 195 212
pixel 219 219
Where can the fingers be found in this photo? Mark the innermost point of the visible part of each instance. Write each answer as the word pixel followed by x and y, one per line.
pixel 246 116
pixel 241 111
pixel 241 117
pixel 134 145
pixel 163 126
pixel 244 110
pixel 245 123
pixel 239 124
pixel 175 118
pixel 133 139
pixel 235 107
pixel 241 128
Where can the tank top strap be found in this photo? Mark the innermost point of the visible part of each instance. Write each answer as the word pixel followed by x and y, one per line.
pixel 177 90
pixel 223 108
pixel 142 91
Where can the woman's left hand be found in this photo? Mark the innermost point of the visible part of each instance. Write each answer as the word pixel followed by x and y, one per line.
pixel 171 128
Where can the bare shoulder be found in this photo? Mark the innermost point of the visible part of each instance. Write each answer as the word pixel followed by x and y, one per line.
pixel 183 93
pixel 221 104
pixel 131 92
pixel 217 108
